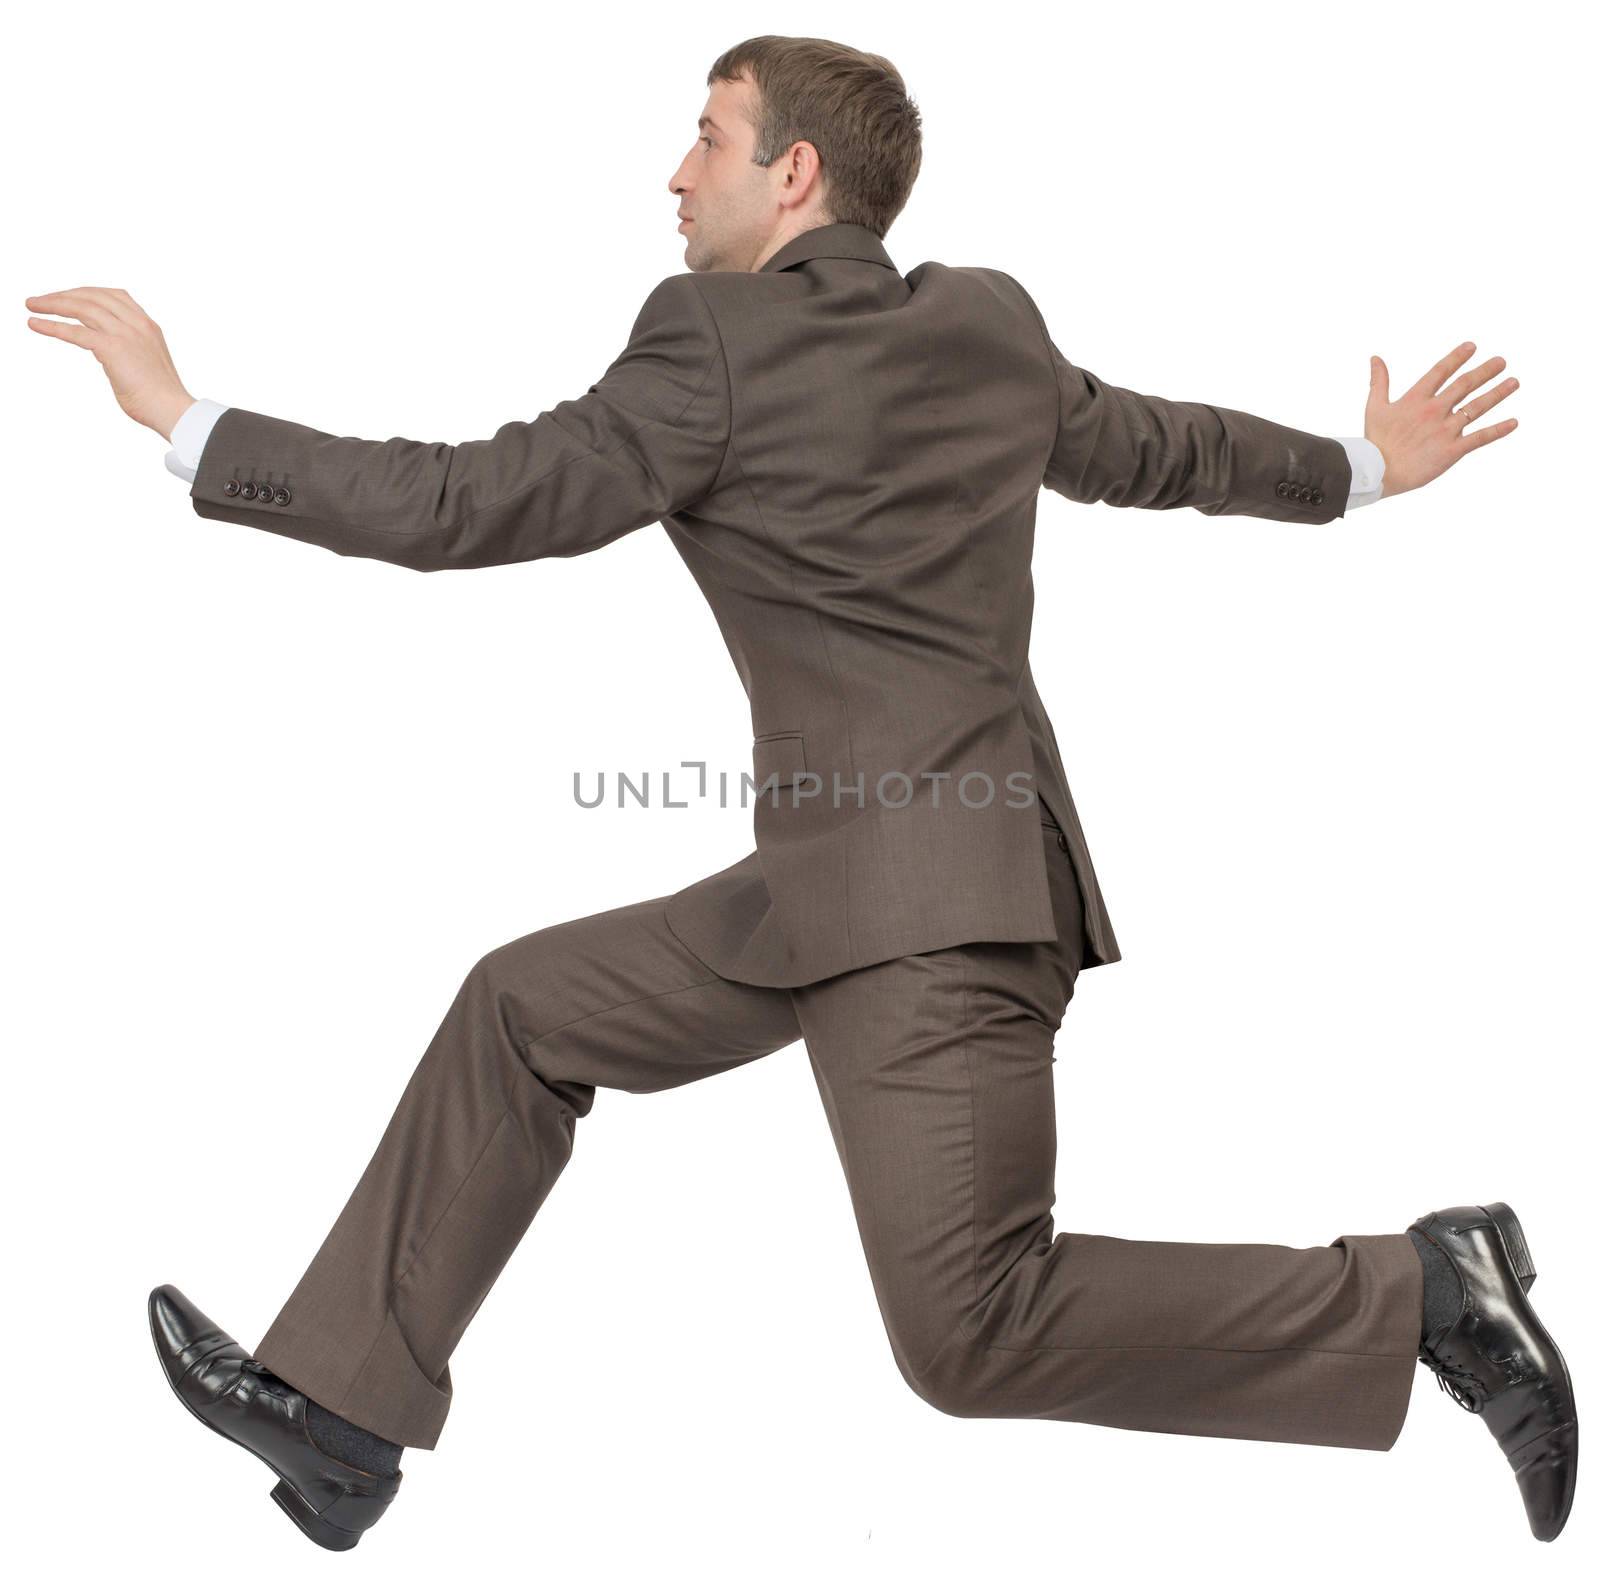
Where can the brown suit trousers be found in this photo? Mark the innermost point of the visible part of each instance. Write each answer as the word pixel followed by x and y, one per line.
pixel 935 1072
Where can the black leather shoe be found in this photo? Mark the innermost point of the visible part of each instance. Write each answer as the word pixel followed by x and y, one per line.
pixel 332 1503
pixel 1497 1360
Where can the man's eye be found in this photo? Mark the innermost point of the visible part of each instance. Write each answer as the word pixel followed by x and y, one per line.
pixel 706 140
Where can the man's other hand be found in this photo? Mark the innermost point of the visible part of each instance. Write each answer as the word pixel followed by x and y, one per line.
pixel 1422 433
pixel 113 327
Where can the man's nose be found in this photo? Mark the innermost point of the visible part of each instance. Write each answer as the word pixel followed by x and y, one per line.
pixel 678 185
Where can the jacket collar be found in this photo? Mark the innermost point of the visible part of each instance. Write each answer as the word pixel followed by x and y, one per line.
pixel 854 241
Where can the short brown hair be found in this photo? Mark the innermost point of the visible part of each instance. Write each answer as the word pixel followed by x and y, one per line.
pixel 851 106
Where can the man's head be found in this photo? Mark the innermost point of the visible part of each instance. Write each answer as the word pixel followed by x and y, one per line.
pixel 796 132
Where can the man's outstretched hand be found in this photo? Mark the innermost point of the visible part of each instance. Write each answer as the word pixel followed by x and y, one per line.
pixel 129 346
pixel 1421 434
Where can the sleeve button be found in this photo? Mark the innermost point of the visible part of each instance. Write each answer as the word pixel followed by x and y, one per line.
pixel 281 496
pixel 230 488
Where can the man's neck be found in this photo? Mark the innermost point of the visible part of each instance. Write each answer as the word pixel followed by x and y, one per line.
pixel 783 235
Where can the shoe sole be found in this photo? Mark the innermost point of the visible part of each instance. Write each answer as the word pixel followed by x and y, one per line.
pixel 295 1506
pixel 1509 1227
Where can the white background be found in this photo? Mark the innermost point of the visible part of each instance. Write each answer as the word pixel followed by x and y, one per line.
pixel 266 805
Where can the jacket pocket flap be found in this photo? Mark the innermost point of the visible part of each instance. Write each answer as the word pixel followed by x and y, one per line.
pixel 781 754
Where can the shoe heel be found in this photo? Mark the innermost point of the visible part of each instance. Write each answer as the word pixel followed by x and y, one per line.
pixel 316 1528
pixel 1510 1230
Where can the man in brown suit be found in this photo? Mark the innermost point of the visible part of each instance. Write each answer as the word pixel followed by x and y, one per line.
pixel 848 460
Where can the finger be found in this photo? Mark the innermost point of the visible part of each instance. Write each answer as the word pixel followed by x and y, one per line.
pixel 72 302
pixel 1380 379
pixel 1491 433
pixel 88 303
pixel 1481 406
pixel 83 337
pixel 1468 380
pixel 1432 380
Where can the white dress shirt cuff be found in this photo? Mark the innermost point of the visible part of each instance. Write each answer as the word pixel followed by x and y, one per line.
pixel 1366 470
pixel 189 437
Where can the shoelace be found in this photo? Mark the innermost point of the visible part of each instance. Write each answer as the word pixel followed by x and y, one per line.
pixel 1465 1388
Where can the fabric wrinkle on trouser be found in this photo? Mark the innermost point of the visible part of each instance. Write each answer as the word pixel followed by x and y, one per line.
pixel 936 1079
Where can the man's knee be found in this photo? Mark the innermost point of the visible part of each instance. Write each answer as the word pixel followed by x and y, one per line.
pixel 509 986
pixel 949 1374
pixel 964 1375
pixel 951 1390
pixel 510 999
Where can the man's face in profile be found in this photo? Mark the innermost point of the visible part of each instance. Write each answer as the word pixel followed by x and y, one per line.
pixel 728 201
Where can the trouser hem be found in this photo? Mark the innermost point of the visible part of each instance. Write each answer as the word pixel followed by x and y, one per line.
pixel 388 1393
pixel 1396 1275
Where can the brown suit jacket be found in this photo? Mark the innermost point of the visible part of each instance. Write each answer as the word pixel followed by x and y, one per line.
pixel 848 461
